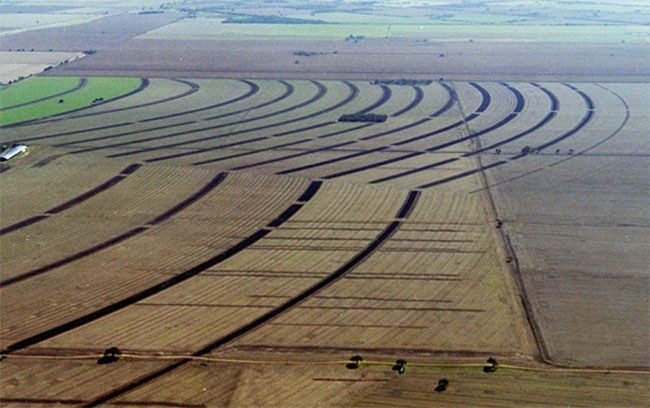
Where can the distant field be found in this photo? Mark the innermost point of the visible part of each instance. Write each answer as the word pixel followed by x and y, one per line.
pixel 15 22
pixel 38 90
pixel 450 18
pixel 20 20
pixel 213 29
pixel 91 3
pixel 17 64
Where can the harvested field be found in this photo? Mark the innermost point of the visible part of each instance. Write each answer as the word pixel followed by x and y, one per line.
pixel 291 128
pixel 318 261
pixel 307 383
pixel 213 237
pixel 13 23
pixel 597 245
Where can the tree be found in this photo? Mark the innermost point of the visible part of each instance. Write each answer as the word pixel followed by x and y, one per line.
pixel 400 366
pixel 442 385
pixel 492 367
pixel 354 362
pixel 111 355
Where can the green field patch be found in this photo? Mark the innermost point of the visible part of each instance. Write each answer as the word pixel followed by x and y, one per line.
pixel 628 6
pixel 360 18
pixel 271 20
pixel 327 30
pixel 482 18
pixel 640 33
pixel 95 90
pixel 528 33
pixel 34 88
pixel 444 18
pixel 213 29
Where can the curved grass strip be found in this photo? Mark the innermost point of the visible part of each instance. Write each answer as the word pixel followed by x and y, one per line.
pixel 33 89
pixel 106 88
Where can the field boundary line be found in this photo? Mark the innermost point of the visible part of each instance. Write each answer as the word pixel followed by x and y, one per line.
pixel 515 271
pixel 298 362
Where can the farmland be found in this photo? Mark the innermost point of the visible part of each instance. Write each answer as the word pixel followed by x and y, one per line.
pixel 212 28
pixel 17 65
pixel 211 233
pixel 44 97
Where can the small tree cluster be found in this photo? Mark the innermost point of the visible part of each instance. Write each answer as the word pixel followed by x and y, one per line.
pixel 111 355
pixel 442 385
pixel 363 117
pixel 400 366
pixel 307 53
pixel 402 81
pixel 492 365
pixel 354 362
pixel 354 38
pixel 246 19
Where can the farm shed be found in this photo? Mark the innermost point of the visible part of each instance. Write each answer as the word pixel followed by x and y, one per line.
pixel 12 152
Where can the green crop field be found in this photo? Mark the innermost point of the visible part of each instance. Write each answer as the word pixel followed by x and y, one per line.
pixel 33 89
pixel 106 88
pixel 360 18
pixel 534 33
pixel 213 28
pixel 483 18
pixel 451 18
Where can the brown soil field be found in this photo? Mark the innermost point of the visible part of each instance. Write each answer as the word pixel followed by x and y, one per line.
pixel 99 34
